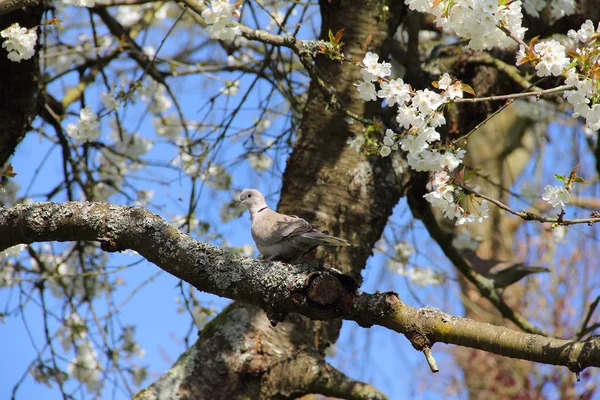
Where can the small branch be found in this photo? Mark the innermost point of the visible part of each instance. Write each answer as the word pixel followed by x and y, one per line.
pixel 422 210
pixel 513 96
pixel 530 216
pixel 510 70
pixel 479 125
pixel 328 381
pixel 430 360
pixel 582 331
pixel 134 49
pixel 514 37
pixel 304 49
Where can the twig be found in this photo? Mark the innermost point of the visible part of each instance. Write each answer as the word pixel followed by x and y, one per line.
pixel 527 215
pixel 479 125
pixel 586 320
pixel 430 360
pixel 558 89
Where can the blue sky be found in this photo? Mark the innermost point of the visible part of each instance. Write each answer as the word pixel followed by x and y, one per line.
pixel 377 356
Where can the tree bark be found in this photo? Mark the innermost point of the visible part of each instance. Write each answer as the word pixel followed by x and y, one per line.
pixel 325 181
pixel 19 86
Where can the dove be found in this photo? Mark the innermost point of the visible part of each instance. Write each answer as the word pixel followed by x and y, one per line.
pixel 281 237
pixel 503 273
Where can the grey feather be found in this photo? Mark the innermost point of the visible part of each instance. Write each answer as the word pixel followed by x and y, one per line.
pixel 281 237
pixel 503 273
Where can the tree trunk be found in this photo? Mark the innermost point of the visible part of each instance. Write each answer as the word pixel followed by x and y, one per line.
pixel 350 194
pixel 19 86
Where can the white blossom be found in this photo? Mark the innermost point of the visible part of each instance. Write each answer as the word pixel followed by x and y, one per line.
pixel 408 116
pixel 427 101
pixel 584 33
pixel 553 58
pixel 367 91
pixel 356 143
pixel 155 94
pixel 230 88
pixel 404 250
pixel 533 7
pixel 375 68
pixel 556 196
pixel 476 20
pixel 559 233
pixel 87 129
pixel 394 92
pixel 260 162
pixel 169 126
pixel 85 366
pixel 109 101
pixel 219 19
pixel 454 91
pixel 19 42
pixel 187 163
pixel 464 240
pixel 385 151
pixel 444 82
pixel 562 8
pixel 217 177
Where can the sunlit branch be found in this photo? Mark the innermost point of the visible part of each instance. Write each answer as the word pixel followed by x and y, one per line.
pixel 289 289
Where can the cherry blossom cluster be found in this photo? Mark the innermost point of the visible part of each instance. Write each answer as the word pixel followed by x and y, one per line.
pixel 442 195
pixel 19 42
pixel 87 129
pixel 579 68
pixel 477 20
pixel 219 20
pixel 558 8
pixel 420 112
pixel 584 97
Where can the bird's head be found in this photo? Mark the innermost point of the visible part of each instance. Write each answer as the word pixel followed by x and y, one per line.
pixel 253 200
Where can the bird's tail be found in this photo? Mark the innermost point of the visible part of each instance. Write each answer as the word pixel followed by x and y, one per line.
pixel 532 269
pixel 326 239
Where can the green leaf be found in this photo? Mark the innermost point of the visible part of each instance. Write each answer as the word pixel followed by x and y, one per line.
pixel 560 177
pixel 467 88
pixel 469 174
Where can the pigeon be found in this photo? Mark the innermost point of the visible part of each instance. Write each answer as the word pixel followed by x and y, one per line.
pixel 503 273
pixel 281 237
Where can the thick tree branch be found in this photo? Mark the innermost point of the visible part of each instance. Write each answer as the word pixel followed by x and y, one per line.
pixel 275 287
pixel 7 6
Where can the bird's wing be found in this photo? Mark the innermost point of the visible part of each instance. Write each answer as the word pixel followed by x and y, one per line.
pixel 270 227
pixel 294 226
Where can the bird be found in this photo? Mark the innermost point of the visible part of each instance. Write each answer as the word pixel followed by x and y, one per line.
pixel 281 237
pixel 503 273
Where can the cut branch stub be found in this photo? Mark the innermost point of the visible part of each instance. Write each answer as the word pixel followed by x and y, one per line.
pixel 324 289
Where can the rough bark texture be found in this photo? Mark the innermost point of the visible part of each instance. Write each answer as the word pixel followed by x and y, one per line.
pixel 19 86
pixel 281 289
pixel 352 194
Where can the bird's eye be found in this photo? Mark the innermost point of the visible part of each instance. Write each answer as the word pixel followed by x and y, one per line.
pixel 249 195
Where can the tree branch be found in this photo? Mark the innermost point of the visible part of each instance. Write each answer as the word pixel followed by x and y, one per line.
pixel 7 6
pixel 276 287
